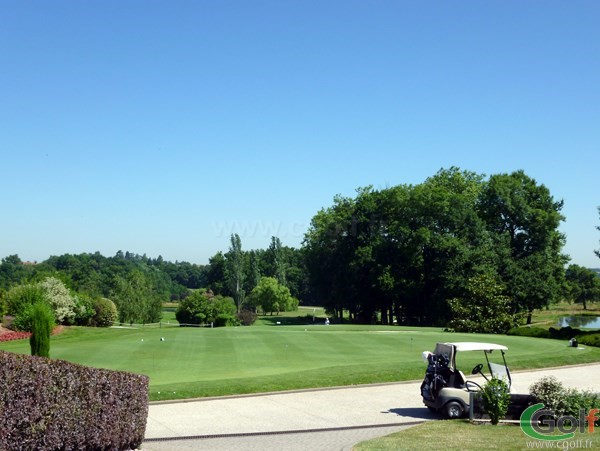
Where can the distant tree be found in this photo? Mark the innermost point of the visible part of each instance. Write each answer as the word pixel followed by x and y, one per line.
pixel 135 300
pixel 42 323
pixel 583 285
pixel 271 296
pixel 483 308
pixel 235 270
pixel 203 307
pixel 12 272
pixel 216 279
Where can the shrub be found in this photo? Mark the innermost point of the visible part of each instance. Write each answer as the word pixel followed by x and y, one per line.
pixel 42 323
pixel 53 404
pixel 247 317
pixel 549 391
pixel 84 310
pixel 537 332
pixel 21 297
pixel 495 396
pixel 590 339
pixel 60 299
pixel 105 313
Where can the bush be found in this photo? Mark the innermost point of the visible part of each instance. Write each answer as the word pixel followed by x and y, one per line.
pixel 21 297
pixel 549 391
pixel 495 396
pixel 590 339
pixel 247 317
pixel 42 323
pixel 53 404
pixel 537 332
pixel 105 313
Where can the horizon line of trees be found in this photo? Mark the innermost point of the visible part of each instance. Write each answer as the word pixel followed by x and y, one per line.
pixel 408 254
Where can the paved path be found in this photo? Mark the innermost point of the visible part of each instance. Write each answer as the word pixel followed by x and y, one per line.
pixel 311 420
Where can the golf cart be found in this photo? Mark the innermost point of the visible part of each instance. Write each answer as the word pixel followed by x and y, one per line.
pixel 445 388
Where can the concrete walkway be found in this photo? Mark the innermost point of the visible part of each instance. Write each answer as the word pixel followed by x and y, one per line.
pixel 375 410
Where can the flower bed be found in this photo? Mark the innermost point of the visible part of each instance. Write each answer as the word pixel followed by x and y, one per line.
pixel 12 335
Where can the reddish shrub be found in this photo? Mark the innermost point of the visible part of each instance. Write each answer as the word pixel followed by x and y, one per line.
pixel 53 404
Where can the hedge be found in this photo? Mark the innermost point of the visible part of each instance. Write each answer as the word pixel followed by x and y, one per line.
pixel 57 405
pixel 590 338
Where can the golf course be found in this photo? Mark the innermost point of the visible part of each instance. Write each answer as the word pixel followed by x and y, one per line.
pixel 189 362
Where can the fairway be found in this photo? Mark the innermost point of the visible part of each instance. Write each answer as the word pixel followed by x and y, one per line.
pixel 195 362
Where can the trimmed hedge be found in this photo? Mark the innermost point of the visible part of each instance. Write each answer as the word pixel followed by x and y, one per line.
pixel 57 405
pixel 590 338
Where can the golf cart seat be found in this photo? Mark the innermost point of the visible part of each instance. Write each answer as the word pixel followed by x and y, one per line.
pixel 458 379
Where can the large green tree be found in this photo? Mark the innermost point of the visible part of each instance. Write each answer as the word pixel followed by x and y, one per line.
pixel 271 296
pixel 523 219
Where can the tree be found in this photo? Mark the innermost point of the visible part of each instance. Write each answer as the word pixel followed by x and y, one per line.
pixel 523 219
pixel 135 299
pixel 235 270
pixel 60 299
pixel 42 323
pixel 203 307
pixel 583 285
pixel 271 296
pixel 483 308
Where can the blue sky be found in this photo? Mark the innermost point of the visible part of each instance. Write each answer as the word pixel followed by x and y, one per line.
pixel 161 127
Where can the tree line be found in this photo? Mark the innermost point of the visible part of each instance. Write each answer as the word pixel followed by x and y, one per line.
pixel 420 254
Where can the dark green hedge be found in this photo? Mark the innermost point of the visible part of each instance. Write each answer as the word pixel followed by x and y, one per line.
pixel 56 405
pixel 590 338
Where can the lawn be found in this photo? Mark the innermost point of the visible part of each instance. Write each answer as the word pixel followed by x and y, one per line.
pixel 197 362
pixel 458 435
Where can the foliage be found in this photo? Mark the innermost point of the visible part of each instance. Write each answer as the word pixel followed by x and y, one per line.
pixel 53 404
pixel 247 317
pixel 537 332
pixel 551 392
pixel 523 219
pixel 272 296
pixel 60 299
pixel 21 297
pixel 235 270
pixel 495 395
pixel 483 309
pixel 563 401
pixel 136 299
pixel 589 339
pixel 42 323
pixel 583 285
pixel 105 313
pixel 203 307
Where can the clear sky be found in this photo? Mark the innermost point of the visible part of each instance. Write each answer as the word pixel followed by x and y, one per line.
pixel 161 127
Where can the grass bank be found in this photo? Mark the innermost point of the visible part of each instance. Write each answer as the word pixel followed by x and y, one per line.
pixel 460 435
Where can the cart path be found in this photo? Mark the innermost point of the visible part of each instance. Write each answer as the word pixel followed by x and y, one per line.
pixel 367 408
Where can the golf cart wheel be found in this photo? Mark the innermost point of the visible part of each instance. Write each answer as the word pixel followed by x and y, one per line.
pixel 453 409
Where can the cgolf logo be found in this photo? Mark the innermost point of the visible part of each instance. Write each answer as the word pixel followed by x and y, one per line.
pixel 540 424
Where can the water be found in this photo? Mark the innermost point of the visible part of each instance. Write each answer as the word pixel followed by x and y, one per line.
pixel 580 322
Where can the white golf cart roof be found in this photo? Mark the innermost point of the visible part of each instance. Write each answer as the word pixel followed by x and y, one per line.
pixel 476 346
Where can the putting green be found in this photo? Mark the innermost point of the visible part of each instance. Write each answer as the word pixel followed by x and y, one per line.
pixel 192 362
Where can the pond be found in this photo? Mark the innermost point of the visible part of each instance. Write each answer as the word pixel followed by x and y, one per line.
pixel 580 322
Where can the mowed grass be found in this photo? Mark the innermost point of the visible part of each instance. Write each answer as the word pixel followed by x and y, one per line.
pixel 200 362
pixel 459 435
